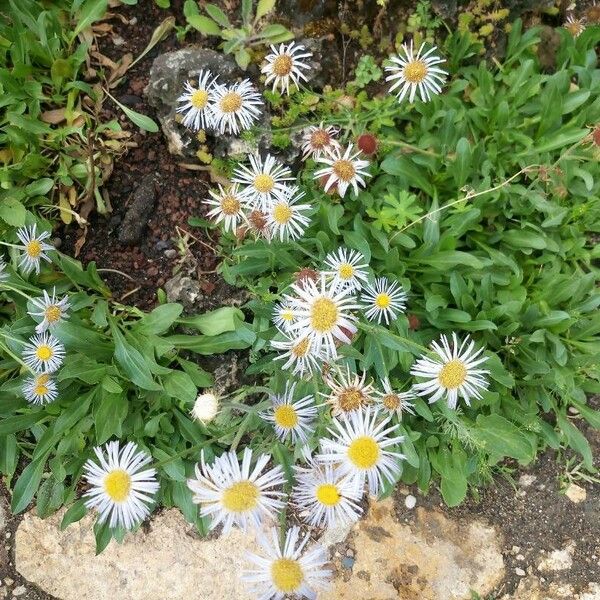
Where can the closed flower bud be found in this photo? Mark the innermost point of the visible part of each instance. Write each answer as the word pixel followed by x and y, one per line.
pixel 206 407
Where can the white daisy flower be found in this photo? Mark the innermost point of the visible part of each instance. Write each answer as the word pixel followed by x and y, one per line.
pixel 413 72
pixel 40 389
pixel 343 169
pixel 285 216
pixel 347 268
pixel 452 373
pixel 319 140
pixel 233 494
pixel 290 572
pixel 324 497
pixel 196 100
pixel 3 275
pixel 43 353
pixel 395 402
pixel 229 206
pixel 284 64
pixel 51 309
pixel 235 107
pixel 359 448
pixel 34 248
pixel 121 490
pixel 323 315
pixel 574 26
pixel 206 407
pixel 384 300
pixel 265 181
pixel 348 393
pixel 283 315
pixel 294 418
pixel 299 355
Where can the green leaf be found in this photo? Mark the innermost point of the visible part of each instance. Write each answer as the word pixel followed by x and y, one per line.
pixel 503 438
pixel 204 25
pixel 159 320
pixel 577 441
pixel 142 121
pixel 27 484
pixel 462 164
pixel 180 386
pixel 74 513
pixel 12 212
pixel 109 413
pixel 91 11
pixel 454 488
pixel 264 8
pixel 451 258
pixel 215 322
pixel 216 14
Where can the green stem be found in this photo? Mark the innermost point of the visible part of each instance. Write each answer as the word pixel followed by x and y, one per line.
pixel 15 357
pixel 411 147
pixel 3 286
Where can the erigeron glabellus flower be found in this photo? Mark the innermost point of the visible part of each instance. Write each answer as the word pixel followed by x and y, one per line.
pixel 122 490
pixel 383 300
pixel 283 315
pixel 206 407
pixel 323 315
pixel 288 572
pixel 412 72
pixel 40 389
pixel 349 392
pixel 286 64
pixel 235 494
pixel 453 371
pixel 299 353
pixel 324 497
pixel 344 169
pixel 34 248
pixel 44 353
pixel 359 448
pixel 317 140
pixel 235 107
pixel 291 418
pixel 395 402
pixel 3 273
pixel 285 216
pixel 264 181
pixel 228 206
pixel 574 26
pixel 195 102
pixel 347 268
pixel 50 309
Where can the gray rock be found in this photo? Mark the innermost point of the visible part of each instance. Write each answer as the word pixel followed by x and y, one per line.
pixel 138 213
pixel 184 289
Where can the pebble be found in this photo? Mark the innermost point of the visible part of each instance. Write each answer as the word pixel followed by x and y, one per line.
pixel 118 40
pixel 520 572
pixel 171 253
pixel 19 591
pixel 520 557
pixel 576 493
pixel 515 549
pixel 8 581
pixel 410 501
pixel 347 562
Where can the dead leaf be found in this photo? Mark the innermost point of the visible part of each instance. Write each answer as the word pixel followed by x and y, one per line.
pixel 80 242
pixel 54 116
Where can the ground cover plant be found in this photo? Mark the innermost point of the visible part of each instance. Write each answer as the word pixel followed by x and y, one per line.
pixel 422 278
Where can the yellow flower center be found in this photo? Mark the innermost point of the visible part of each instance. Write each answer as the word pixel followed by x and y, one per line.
pixel 287 315
pixel 282 213
pixel 230 205
pixel 231 102
pixel 117 485
pixel 282 65
pixel 40 390
pixel 328 494
pixel 415 71
pixel 346 271
pixel 383 300
pixel 285 416
pixel 363 452
pixel 391 401
pixel 319 139
pixel 41 387
pixel 323 315
pixel 301 348
pixel 240 497
pixel 453 374
pixel 33 249
pixel 264 183
pixel 199 99
pixel 44 352
pixel 344 169
pixel 351 399
pixel 575 28
pixel 286 574
pixel 53 313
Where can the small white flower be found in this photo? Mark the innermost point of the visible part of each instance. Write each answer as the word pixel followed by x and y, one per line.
pixel 43 353
pixel 347 268
pixel 3 275
pixel 300 354
pixel 320 140
pixel 34 248
pixel 291 417
pixel 283 315
pixel 285 64
pixel 265 181
pixel 359 448
pixel 51 310
pixel 121 491
pixel 452 373
pixel 290 572
pixel 416 72
pixel 395 402
pixel 323 314
pixel 233 494
pixel 384 300
pixel 235 107
pixel 196 100
pixel 343 170
pixel 349 392
pixel 40 389
pixel 205 407
pixel 228 205
pixel 285 216
pixel 574 26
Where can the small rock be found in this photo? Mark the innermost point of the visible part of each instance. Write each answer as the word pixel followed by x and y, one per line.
pixel 576 493
pixel 515 549
pixel 182 289
pixel 526 480
pixel 117 40
pixel 520 557
pixel 410 501
pixel 348 562
pixel 171 253
pixel 558 560
pixel 129 99
pixel 8 581
pixel 19 591
pixel 138 213
pixel 520 572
